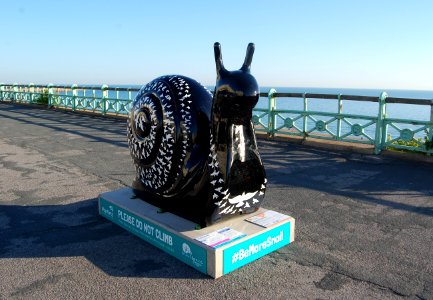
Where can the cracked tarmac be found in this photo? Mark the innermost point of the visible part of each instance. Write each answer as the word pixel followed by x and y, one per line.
pixel 364 223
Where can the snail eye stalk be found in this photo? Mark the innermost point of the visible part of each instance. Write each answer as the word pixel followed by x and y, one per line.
pixel 218 59
pixel 248 58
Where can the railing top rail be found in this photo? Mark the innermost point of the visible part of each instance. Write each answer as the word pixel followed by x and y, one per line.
pixel 60 86
pixel 24 85
pixel 124 89
pixel 401 100
pixel 415 101
pixel 360 98
pixel 409 101
pixel 79 87
pixel 325 96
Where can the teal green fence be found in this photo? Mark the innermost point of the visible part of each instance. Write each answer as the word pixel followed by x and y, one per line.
pixel 275 118
pixel 96 99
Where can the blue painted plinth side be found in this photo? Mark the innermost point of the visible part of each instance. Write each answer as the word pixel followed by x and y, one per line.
pixel 247 251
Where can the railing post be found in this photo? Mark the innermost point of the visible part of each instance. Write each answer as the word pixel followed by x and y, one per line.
pixel 74 96
pixel 104 89
pixel 117 101
pixel 272 105
pixel 15 89
pixel 431 117
pixel 129 103
pixel 31 92
pixel 430 131
pixel 381 126
pixel 305 117
pixel 340 111
pixel 50 94
pixel 1 91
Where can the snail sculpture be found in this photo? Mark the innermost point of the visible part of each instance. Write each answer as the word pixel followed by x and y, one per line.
pixel 196 154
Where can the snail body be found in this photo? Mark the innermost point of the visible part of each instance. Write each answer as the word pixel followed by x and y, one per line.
pixel 196 155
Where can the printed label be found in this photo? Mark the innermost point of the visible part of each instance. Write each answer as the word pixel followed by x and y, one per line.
pixel 268 218
pixel 220 237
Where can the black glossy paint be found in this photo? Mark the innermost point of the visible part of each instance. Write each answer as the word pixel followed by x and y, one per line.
pixel 196 155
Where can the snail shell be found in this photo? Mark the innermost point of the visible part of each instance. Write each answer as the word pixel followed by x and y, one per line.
pixel 168 135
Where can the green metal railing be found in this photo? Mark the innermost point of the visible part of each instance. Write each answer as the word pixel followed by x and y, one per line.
pixel 96 99
pixel 376 130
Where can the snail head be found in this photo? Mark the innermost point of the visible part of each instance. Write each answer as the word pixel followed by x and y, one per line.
pixel 236 92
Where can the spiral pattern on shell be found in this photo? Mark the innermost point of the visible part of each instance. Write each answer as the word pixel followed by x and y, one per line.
pixel 163 132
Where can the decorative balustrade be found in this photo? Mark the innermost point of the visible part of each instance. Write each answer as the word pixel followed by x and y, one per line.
pixel 96 99
pixel 277 118
pixel 378 130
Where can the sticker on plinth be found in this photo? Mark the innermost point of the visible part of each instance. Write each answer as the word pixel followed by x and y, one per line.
pixel 220 237
pixel 268 218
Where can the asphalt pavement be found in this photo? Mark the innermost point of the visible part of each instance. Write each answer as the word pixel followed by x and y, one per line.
pixel 364 223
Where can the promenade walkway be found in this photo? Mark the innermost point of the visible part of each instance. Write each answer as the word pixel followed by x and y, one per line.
pixel 364 223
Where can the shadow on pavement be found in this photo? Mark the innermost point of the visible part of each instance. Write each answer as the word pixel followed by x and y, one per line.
pixel 373 179
pixel 77 230
pixel 84 125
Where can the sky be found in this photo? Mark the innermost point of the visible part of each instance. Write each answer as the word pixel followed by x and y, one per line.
pixel 378 44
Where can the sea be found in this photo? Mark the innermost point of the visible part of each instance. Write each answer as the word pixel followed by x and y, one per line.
pixel 400 111
pixel 393 110
pixel 404 111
